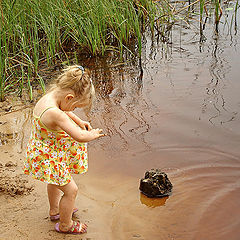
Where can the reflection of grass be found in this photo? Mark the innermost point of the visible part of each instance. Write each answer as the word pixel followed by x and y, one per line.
pixel 33 33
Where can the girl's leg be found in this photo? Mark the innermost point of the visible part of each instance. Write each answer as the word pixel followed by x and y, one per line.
pixel 66 205
pixel 54 196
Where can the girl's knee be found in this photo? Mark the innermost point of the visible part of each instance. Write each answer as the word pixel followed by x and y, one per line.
pixel 75 190
pixel 71 189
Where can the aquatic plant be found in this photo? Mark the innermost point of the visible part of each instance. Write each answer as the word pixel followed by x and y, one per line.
pixel 36 32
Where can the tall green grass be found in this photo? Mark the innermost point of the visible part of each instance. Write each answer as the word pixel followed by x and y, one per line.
pixel 35 32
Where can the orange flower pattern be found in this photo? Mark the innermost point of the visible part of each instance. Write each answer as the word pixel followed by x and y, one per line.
pixel 52 156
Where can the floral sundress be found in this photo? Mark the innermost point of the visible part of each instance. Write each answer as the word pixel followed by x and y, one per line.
pixel 52 156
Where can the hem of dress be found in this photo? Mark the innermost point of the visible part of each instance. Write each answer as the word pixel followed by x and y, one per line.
pixel 45 181
pixel 82 172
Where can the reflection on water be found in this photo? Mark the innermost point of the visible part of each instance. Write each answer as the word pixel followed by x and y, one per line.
pixel 14 128
pixel 152 202
pixel 176 110
pixel 218 68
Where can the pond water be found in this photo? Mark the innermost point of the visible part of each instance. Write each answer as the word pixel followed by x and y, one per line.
pixel 181 114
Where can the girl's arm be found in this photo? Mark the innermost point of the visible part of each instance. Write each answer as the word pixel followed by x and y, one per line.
pixel 82 124
pixel 60 119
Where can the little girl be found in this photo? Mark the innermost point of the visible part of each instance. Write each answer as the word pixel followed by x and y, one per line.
pixel 57 145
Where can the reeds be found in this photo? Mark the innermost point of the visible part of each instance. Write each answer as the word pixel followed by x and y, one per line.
pixel 36 32
pixel 204 9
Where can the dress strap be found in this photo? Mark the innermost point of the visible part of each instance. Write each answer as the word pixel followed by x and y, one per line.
pixel 45 111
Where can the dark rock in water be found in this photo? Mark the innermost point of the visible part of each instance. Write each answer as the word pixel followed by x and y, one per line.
pixel 155 184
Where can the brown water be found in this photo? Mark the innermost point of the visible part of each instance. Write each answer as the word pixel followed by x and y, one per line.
pixel 181 114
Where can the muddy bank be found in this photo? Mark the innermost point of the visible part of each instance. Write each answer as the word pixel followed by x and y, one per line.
pixel 12 183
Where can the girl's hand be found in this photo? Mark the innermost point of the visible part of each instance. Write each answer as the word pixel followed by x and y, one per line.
pixel 80 131
pixel 85 125
pixel 96 133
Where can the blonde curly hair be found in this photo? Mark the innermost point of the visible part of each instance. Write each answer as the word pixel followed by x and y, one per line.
pixel 75 78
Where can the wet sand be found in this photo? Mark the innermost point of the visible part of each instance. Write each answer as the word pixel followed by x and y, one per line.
pixel 181 115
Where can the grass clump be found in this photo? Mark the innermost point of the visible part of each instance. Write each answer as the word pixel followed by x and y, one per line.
pixel 35 32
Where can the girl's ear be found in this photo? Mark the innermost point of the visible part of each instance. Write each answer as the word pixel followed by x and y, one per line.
pixel 69 97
